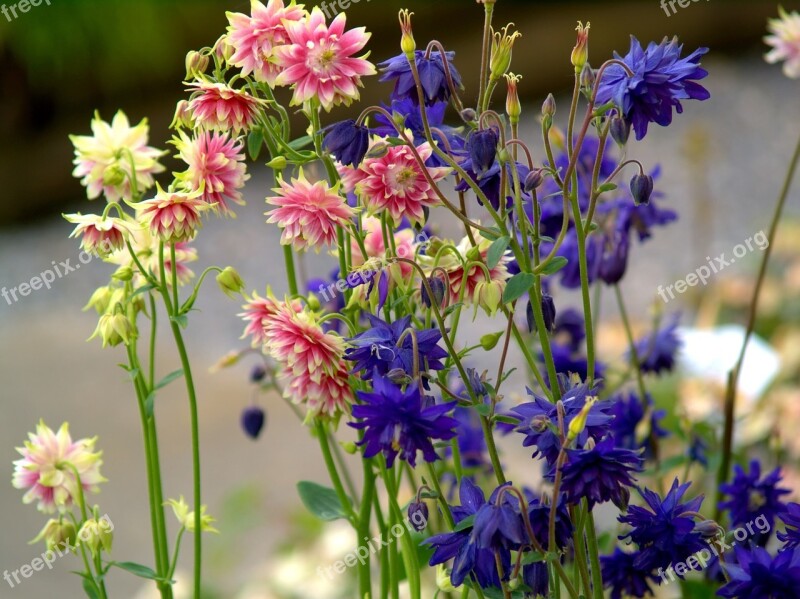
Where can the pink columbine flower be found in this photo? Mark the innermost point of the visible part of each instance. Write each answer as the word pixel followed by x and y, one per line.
pixel 785 42
pixel 48 468
pixel 405 242
pixel 330 396
pixel 116 153
pixel 297 341
pixel 216 165
pixel 218 107
pixel 173 217
pixel 318 60
pixel 257 311
pixel 308 213
pixel 395 183
pixel 254 37
pixel 475 274
pixel 100 236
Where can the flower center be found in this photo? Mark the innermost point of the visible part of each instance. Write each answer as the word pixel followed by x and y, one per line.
pixel 401 179
pixel 320 58
pixel 756 500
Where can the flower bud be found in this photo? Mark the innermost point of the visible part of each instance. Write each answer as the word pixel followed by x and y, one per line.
pixel 580 54
pixel 482 146
pixel 578 424
pixel 642 189
pixel 196 64
pixel 57 535
pixel 253 421
pixel 123 273
pixel 407 43
pixel 258 373
pixel 709 529
pixel 502 48
pixel 549 106
pixel 620 130
pixel 349 447
pixel 513 106
pixel 113 329
pixel 97 535
pixel 587 77
pixel 230 282
pixel 438 288
pixel 490 296
pixel 443 582
pixel 183 116
pixel 548 314
pixel 468 115
pixel 222 49
pixel 534 180
pixel 114 175
pixel 418 515
pixel 100 300
pixel 489 340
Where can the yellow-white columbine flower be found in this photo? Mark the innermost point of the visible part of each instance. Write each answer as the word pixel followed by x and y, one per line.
pixel 116 154
pixel 100 236
pixel 50 466
pixel 186 517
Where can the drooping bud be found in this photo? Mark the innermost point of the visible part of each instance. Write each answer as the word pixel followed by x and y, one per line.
pixel 468 115
pixel 258 373
pixel 642 189
pixel 620 130
pixel 709 529
pixel 222 49
pixel 113 329
pixel 114 175
pixel 418 515
pixel 57 534
pixel 548 313
pixel 533 180
pixel 502 49
pixel 230 282
pixel 97 535
pixel 196 64
pixel 278 163
pixel 580 54
pixel 183 116
pixel 482 147
pixel 348 142
pixel 438 288
pixel 253 421
pixel 407 43
pixel 513 106
pixel 537 578
pixel 614 261
pixel 100 300
pixel 489 295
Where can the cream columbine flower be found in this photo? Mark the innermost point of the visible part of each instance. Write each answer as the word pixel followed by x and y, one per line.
pixel 116 153
pixel 100 236
pixel 186 517
pixel 48 468
pixel 785 42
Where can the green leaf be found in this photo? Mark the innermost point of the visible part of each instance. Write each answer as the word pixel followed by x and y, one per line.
pixel 181 319
pixel 492 234
pixel 496 251
pixel 143 289
pixel 255 142
pixel 465 524
pixel 555 265
pixel 453 308
pixel 532 558
pixel 321 501
pixel 301 142
pixel 517 286
pixel 169 378
pixel 506 419
pixel 138 570
pixel 483 409
pixel 90 587
pixel 607 187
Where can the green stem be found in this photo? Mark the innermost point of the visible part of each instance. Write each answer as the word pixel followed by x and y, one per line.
pixel 290 271
pixel 364 580
pixel 448 515
pixel 322 434
pixel 594 555
pixel 409 553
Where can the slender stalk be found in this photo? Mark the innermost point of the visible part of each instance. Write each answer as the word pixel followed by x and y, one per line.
pixel 635 363
pixel 291 276
pixel 730 399
pixel 594 555
pixel 486 50
pixel 322 435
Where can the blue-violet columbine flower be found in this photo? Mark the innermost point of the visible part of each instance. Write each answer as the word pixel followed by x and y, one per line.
pixel 347 141
pixel 395 422
pixel 752 496
pixel 657 351
pixel 600 474
pixel 661 79
pixel 758 574
pixel 791 518
pixel 621 575
pixel 376 349
pixel 431 74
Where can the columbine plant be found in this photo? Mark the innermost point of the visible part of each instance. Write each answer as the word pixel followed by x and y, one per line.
pixel 377 348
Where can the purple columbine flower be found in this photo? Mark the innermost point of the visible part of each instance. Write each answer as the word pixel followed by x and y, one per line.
pixel 623 577
pixel 603 473
pixel 661 79
pixel 489 181
pixel 758 574
pixel 791 518
pixel 396 423
pixel 482 148
pixel 752 496
pixel 539 421
pixel 629 411
pixel 347 141
pixel 657 351
pixel 376 349
pixel 536 577
pixel 664 529
pixel 495 530
pixel 431 73
pixel 614 259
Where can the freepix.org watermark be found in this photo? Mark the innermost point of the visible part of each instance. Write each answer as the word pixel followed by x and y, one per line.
pixel 49 557
pixel 370 546
pixel 23 6
pixel 668 6
pixel 47 277
pixel 702 274
pixel 716 547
